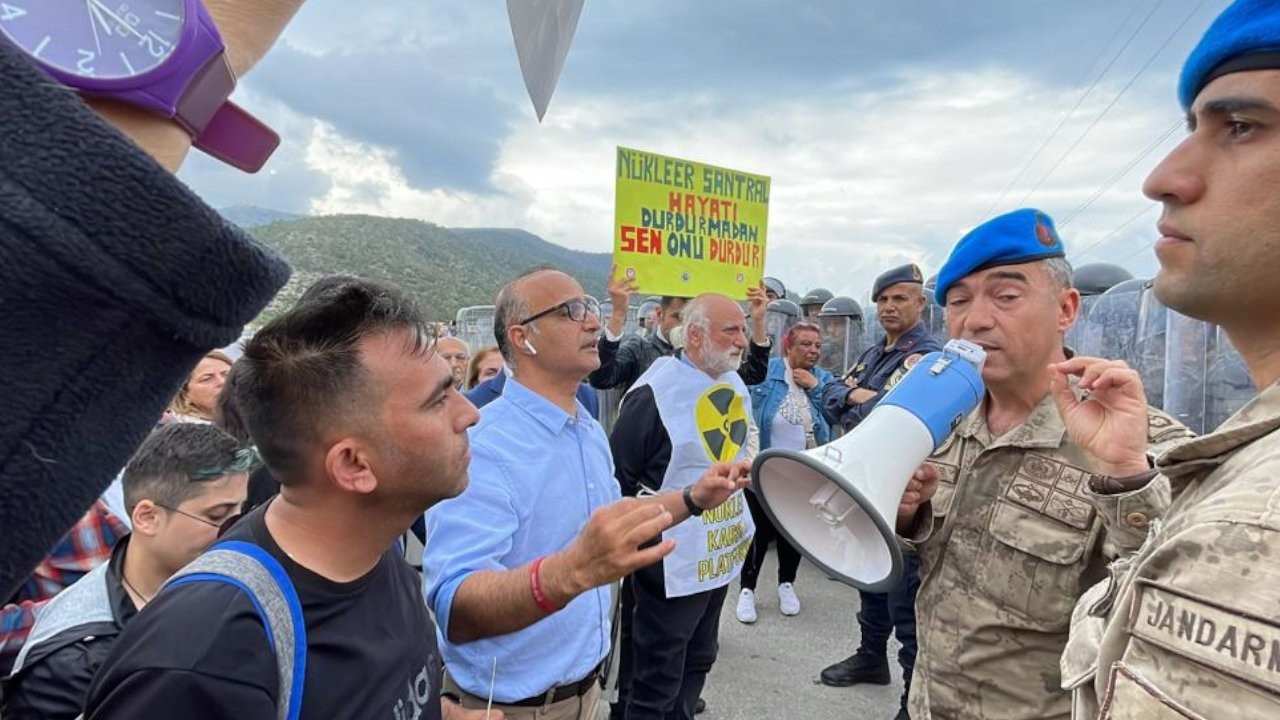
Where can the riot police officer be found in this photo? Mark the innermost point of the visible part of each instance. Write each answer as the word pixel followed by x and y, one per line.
pixel 813 302
pixel 900 302
pixel 842 328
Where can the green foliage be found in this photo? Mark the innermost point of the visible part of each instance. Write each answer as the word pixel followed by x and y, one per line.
pixel 443 268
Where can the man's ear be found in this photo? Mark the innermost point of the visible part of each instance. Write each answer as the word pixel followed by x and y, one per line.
pixel 348 465
pixel 1068 308
pixel 146 518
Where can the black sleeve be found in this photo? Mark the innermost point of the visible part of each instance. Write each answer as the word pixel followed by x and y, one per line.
pixel 198 651
pixel 618 363
pixel 602 377
pixel 54 688
pixel 640 444
pixel 756 367
pixel 114 280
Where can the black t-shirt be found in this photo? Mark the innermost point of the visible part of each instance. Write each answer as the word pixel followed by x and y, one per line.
pixel 200 650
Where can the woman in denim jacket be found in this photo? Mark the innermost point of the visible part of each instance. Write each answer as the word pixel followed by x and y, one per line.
pixel 787 409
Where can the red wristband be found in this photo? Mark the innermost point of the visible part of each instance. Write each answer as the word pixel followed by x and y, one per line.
pixel 535 585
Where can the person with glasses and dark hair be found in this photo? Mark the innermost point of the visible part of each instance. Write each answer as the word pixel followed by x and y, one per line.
pixel 519 566
pixel 491 389
pixel 181 485
pixel 787 408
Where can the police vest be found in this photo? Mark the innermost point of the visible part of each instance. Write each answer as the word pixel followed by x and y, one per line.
pixel 707 420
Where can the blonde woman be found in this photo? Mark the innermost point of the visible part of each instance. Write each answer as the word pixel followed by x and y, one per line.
pixel 486 363
pixel 198 398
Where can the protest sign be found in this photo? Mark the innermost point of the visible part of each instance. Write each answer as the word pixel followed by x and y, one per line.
pixel 685 228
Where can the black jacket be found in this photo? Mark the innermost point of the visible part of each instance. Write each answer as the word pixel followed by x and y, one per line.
pixel 115 279
pixel 640 443
pixel 624 361
pixel 69 643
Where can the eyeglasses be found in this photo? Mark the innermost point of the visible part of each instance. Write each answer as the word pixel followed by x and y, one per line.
pixel 204 520
pixel 575 309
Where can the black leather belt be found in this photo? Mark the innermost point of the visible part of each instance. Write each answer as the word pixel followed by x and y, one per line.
pixel 563 692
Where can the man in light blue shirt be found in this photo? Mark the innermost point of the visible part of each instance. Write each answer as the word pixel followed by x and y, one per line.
pixel 518 567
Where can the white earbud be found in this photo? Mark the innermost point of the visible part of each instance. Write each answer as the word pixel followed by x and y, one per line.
pixel 529 346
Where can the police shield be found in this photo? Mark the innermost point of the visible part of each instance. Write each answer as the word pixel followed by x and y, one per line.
pixel 1228 385
pixel 778 319
pixel 872 332
pixel 475 326
pixel 1150 349
pixel 1205 380
pixel 1111 327
pixel 1186 367
pixel 842 332
pixel 1092 281
pixel 644 317
pixel 934 318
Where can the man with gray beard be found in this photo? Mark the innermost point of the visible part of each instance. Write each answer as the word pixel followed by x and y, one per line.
pixel 684 414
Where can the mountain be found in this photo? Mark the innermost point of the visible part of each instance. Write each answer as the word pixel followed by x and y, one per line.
pixel 249 216
pixel 443 268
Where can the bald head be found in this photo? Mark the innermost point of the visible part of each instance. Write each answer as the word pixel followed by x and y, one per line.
pixel 715 333
pixel 546 324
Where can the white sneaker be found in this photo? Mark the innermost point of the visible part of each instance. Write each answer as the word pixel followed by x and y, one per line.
pixel 788 603
pixel 746 606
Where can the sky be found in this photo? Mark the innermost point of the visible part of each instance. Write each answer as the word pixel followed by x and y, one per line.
pixel 889 128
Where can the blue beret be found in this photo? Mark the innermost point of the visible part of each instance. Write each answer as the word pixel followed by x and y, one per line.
pixel 908 273
pixel 1246 36
pixel 1018 237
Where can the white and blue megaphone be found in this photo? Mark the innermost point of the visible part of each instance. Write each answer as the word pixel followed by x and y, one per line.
pixel 838 503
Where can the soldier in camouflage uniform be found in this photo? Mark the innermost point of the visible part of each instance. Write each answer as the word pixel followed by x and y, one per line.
pixel 1189 627
pixel 1008 541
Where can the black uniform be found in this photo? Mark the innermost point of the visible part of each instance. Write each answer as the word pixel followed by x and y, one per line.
pixel 876 370
pixel 873 371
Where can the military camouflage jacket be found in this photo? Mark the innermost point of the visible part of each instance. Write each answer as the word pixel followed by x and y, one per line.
pixel 1189 627
pixel 1008 544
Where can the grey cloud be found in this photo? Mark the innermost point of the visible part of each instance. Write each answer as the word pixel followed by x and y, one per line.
pixel 444 126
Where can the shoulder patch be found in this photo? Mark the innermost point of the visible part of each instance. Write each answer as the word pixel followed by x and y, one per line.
pixel 1162 428
pixel 1053 489
pixel 1243 646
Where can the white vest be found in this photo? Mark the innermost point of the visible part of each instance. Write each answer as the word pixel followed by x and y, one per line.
pixel 707 420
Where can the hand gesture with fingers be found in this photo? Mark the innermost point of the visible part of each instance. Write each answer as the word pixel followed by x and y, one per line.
pixel 804 379
pixel 608 548
pixel 620 288
pixel 720 482
pixel 1110 422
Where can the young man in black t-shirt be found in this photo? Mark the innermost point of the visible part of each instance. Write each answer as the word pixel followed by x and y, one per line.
pixel 358 419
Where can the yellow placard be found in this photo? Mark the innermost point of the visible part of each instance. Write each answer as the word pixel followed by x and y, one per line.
pixel 683 228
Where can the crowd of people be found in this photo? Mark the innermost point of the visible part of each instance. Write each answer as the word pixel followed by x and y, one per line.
pixel 1073 552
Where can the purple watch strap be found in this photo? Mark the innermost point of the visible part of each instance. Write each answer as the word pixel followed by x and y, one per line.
pixel 218 126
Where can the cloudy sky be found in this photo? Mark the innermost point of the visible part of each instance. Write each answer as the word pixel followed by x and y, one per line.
pixel 889 127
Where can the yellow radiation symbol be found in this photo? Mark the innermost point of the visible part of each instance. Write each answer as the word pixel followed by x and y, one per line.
pixel 722 422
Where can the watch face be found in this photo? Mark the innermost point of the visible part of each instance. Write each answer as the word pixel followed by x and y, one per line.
pixel 103 39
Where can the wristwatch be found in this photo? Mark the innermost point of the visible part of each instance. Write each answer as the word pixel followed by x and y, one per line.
pixel 165 56
pixel 692 507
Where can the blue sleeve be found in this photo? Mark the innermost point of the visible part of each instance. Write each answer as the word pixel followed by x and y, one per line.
pixel 833 396
pixel 469 533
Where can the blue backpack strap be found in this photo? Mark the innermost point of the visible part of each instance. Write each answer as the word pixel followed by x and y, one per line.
pixel 261 577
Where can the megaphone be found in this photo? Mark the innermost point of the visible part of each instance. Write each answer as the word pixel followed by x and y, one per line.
pixel 838 503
